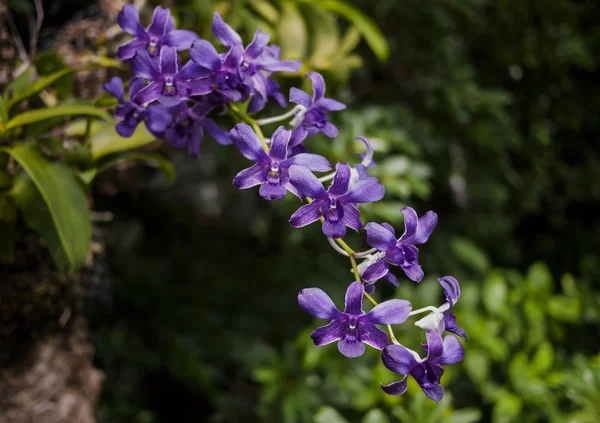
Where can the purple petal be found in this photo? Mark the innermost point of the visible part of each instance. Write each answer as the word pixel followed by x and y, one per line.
pixel 246 140
pixel 205 55
pixel 127 50
pixel 160 20
pixel 158 118
pixel 191 70
pixel 317 303
pixel 306 183
pixel 395 388
pixel 425 227
pixel 389 228
pixel 129 20
pixel 169 100
pixel 224 32
pixel 142 65
pixel 398 359
pixel 372 336
pixel 149 93
pixel 220 135
pixel 392 279
pixel 234 58
pixel 279 143
pixel 181 39
pixel 435 345
pixel 299 134
pixel 115 88
pixel 410 222
pixel 330 130
pixel 250 177
pixel 306 214
pixel 453 351
pixel 329 105
pixel 167 63
pixel 351 348
pixel 341 180
pixel 451 326
pixel 376 271
pixel 200 87
pixel 351 217
pixel 354 298
pixel 451 289
pixel 330 333
pixel 413 271
pixel 380 237
pixel 300 97
pixel 312 162
pixel 272 192
pixel 434 391
pixel 367 158
pixel 390 312
pixel 135 85
pixel 194 141
pixel 335 229
pixel 318 85
pixel 271 64
pixel 258 44
pixel 125 128
pixel 365 191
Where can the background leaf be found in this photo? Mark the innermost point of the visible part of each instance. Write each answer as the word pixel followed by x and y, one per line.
pixel 66 222
pixel 37 115
pixel 107 141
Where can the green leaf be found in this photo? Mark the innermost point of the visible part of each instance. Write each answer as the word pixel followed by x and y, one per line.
pixel 3 114
pixel 39 85
pixel 495 293
pixel 507 408
pixel 37 115
pixel 543 359
pixel 477 365
pixel 539 279
pixel 327 414
pixel 471 255
pixel 326 37
pixel 564 309
pixel 107 141
pixel 363 23
pixel 292 33
pixel 19 84
pixel 376 416
pixel 64 221
pixel 464 415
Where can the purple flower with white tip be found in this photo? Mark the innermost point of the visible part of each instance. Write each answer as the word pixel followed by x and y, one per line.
pixel 271 170
pixel 181 126
pixel 160 33
pixel 129 112
pixel 427 372
pixel 353 328
pixel 313 115
pixel 338 205
pixel 452 293
pixel 399 252
pixel 170 85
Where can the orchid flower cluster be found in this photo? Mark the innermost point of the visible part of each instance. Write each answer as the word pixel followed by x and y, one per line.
pixel 174 99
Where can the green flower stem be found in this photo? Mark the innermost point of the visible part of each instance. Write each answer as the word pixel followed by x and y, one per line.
pixel 243 117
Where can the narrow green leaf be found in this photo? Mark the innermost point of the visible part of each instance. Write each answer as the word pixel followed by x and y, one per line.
pixel 292 33
pixel 39 85
pixel 66 202
pixel 266 10
pixel 3 113
pixel 19 84
pixel 373 36
pixel 37 115
pixel 107 141
pixel 325 35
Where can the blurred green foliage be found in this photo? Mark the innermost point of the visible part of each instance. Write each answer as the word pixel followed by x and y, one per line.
pixel 482 110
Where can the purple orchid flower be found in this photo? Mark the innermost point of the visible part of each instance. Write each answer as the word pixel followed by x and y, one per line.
pixel 399 252
pixel 160 33
pixel 352 328
pixel 338 205
pixel 313 118
pixel 452 293
pixel 182 126
pixel 130 112
pixel 170 85
pixel 271 170
pixel 427 372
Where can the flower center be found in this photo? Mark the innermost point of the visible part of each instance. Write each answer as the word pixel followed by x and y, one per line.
pixel 169 88
pixel 353 322
pixel 274 173
pixel 152 45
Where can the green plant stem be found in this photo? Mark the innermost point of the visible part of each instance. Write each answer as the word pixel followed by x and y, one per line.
pixel 243 116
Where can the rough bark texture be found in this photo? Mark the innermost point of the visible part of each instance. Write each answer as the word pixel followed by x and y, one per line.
pixel 55 383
